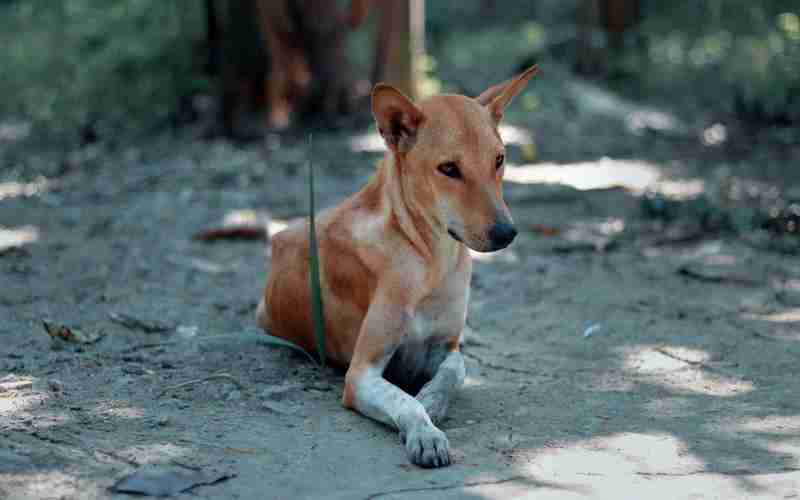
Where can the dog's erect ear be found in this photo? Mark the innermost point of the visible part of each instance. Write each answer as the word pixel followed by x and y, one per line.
pixel 397 117
pixel 497 98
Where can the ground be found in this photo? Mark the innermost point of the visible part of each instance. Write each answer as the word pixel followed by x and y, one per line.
pixel 609 355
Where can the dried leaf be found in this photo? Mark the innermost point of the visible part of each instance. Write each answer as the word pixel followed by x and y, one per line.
pixel 546 230
pixel 134 323
pixel 162 483
pixel 73 335
pixel 239 232
pixel 719 274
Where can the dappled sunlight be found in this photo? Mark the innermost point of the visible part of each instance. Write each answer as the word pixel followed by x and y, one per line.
pixel 372 142
pixel 242 217
pixel 788 425
pixel 681 189
pixel 41 483
pixel 639 121
pixel 683 370
pixel 248 217
pixel 20 396
pixel 715 135
pixel 618 455
pixel 637 176
pixel 17 237
pixel 470 381
pixel 605 173
pixel 275 226
pixel 778 434
pixel 517 136
pixel 655 465
pixel 787 316
pixel 26 189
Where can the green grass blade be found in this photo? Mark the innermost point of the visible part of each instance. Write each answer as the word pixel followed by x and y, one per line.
pixel 277 341
pixel 316 290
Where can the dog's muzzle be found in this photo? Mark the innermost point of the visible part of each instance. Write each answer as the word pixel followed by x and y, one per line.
pixel 501 235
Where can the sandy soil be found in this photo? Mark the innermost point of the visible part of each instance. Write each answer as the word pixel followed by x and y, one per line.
pixel 609 355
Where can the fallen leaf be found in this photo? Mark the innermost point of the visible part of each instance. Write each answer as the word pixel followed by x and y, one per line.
pixel 240 451
pixel 162 483
pixel 719 274
pixel 546 230
pixel 67 334
pixel 243 232
pixel 134 323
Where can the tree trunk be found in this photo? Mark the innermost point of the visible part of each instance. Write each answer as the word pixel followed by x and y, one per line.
pixel 602 27
pixel 401 44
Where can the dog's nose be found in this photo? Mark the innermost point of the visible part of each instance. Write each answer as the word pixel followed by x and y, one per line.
pixel 502 234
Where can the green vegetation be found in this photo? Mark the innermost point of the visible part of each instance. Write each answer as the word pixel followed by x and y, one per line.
pixel 124 64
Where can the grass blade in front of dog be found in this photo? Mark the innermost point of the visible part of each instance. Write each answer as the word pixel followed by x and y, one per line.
pixel 272 340
pixel 316 290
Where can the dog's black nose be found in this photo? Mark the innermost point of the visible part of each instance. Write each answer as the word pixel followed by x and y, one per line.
pixel 502 234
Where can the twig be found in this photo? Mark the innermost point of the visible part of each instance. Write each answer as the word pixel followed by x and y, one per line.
pixel 447 486
pixel 214 376
pixel 698 364
pixel 488 364
pixel 731 472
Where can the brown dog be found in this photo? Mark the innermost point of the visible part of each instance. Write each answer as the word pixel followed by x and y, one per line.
pixel 395 265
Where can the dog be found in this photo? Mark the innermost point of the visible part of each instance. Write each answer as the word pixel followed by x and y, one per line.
pixel 395 263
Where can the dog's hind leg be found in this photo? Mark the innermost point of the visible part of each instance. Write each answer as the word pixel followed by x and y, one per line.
pixel 435 395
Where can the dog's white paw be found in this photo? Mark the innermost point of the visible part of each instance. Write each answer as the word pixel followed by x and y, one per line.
pixel 428 447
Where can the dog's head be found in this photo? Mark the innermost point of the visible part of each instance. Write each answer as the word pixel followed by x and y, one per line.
pixel 451 158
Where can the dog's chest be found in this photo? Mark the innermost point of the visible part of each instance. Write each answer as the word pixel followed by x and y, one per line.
pixel 430 323
pixel 441 315
pixel 426 343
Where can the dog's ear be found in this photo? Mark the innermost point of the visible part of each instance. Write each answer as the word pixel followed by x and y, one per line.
pixel 397 117
pixel 496 98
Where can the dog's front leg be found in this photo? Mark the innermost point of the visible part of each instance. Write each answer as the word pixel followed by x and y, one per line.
pixel 435 395
pixel 370 394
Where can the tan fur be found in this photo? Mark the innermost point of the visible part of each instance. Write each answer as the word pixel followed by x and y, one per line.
pixel 395 283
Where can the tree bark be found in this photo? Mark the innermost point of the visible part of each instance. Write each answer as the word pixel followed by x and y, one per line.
pixel 401 45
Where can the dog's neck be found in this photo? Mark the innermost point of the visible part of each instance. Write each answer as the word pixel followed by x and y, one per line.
pixel 427 234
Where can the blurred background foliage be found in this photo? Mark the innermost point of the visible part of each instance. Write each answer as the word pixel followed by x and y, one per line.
pixel 127 64
pixel 74 61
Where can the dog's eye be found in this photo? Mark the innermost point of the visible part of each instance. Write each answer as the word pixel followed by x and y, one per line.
pixel 499 161
pixel 450 169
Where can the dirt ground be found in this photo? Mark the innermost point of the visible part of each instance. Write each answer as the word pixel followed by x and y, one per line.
pixel 609 355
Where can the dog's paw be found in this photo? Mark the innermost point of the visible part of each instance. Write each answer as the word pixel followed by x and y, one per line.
pixel 428 447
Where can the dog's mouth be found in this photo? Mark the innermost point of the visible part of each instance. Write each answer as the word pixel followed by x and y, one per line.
pixel 455 235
